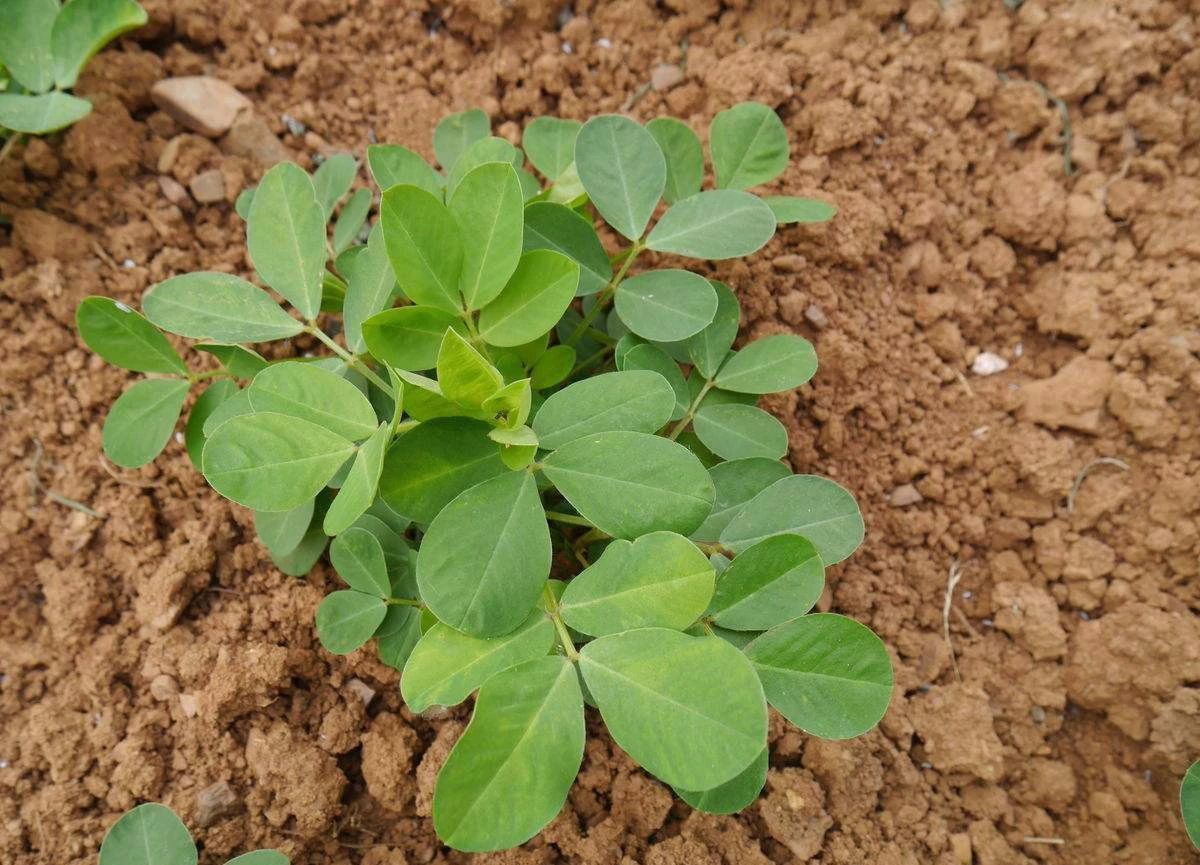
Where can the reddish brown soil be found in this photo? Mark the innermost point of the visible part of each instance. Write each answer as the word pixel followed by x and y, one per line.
pixel 155 652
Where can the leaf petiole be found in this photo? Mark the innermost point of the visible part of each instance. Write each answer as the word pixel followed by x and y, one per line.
pixel 404 602
pixel 691 412
pixel 564 636
pixel 352 360
pixel 605 297
pixel 569 519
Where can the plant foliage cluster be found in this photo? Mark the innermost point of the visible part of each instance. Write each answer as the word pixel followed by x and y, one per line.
pixel 543 470
pixel 152 834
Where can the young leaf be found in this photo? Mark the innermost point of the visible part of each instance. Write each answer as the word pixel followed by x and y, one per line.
pixel 193 431
pixel 807 505
pixel 285 236
pixel 272 462
pixel 217 306
pixel 25 43
pixel 552 367
pixel 124 338
pixel 709 348
pixel 424 246
pixel 666 305
pixel 359 488
pixel 749 146
pixel 789 208
pixel 777 579
pixel 141 421
pixel 430 465
pixel 549 143
pixel 737 482
pixel 828 675
pixel 735 432
pixel 651 357
pixel 535 298
pixel 623 171
pixel 424 400
pixel 482 152
pixel 83 27
pixel 333 179
pixel 689 709
pixel 393 165
pixel 556 227
pixel 282 531
pixel 733 795
pixel 447 665
pixel 485 557
pixel 304 390
pixel 409 337
pixel 629 484
pixel 769 365
pixel 347 619
pixel 371 285
pixel 509 408
pixel 487 206
pixel 464 374
pixel 636 400
pixel 456 132
pixel 351 220
pixel 509 774
pixel 661 580
pixel 1189 803
pixel 717 224
pixel 357 556
pixel 238 360
pixel 150 834
pixel 38 115
pixel 684 158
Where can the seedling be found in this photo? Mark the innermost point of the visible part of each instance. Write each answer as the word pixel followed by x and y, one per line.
pixel 545 473
pixel 153 834
pixel 43 48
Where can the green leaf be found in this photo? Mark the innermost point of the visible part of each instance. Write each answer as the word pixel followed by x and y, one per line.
pixel 735 432
pixel 488 208
pixel 748 144
pixel 193 431
pixel 484 151
pixel 509 407
pixel 717 224
pixel 688 709
pixel 423 399
pixel 300 560
pixel 150 834
pixel 737 482
pixel 685 160
pixel 1189 803
pixel 430 465
pixel 807 505
pixel 629 484
pixel 241 205
pixel 486 555
pixel 733 795
pixel 235 404
pixel 666 305
pixel 333 179
pixel 557 227
pixel 549 143
pixel 777 579
pixel 635 400
pixel 83 27
pixel 400 559
pixel 398 634
pixel 424 246
pixel 260 857
pixel 456 132
pixel 347 619
pixel 447 665
pixel 371 285
pixel 357 555
pixel 623 171
pixel 141 421
pixel 38 115
pixel 651 357
pixel 509 774
pixel 553 366
pixel 709 348
pixel 536 296
pixel 789 208
pixel 351 220
pixel 828 675
pixel 282 531
pixel 307 391
pixel 272 462
pixel 238 360
pixel 409 337
pixel 769 365
pixel 285 236
pixel 359 488
pixel 25 43
pixel 661 580
pixel 393 165
pixel 124 338
pixel 464 374
pixel 217 306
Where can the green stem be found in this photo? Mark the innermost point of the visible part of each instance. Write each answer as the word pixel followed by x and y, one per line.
pixel 691 412
pixel 564 636
pixel 404 602
pixel 405 425
pixel 714 548
pixel 473 332
pixel 569 519
pixel 194 377
pixel 9 145
pixel 350 359
pixel 604 298
pixel 588 361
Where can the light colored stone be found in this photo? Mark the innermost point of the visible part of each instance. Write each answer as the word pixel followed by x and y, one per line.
pixel 905 495
pixel 203 104
pixel 988 363
pixel 174 192
pixel 816 316
pixel 208 187
pixel 251 138
pixel 214 802
pixel 664 76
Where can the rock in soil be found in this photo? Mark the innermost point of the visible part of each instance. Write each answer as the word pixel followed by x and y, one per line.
pixel 201 103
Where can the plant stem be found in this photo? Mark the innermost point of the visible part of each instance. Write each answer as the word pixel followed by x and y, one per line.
pixel 604 298
pixel 9 145
pixel 352 360
pixel 404 602
pixel 588 361
pixel 691 412
pixel 564 636
pixel 194 377
pixel 713 548
pixel 569 519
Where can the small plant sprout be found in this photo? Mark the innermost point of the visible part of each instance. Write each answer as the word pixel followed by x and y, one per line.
pixel 543 468
pixel 43 49
pixel 153 834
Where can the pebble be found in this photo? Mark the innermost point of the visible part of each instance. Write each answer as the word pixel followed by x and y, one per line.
pixel 816 316
pixel 214 802
pixel 252 139
pixel 789 263
pixel 664 76
pixel 203 104
pixel 174 192
pixel 362 690
pixel 904 495
pixel 294 126
pixel 208 187
pixel 988 363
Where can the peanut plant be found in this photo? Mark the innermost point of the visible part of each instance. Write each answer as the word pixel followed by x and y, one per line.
pixel 544 471
pixel 152 834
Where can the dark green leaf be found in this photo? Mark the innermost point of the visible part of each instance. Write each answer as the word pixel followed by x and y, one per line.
pixel 124 338
pixel 709 348
pixel 789 208
pixel 358 557
pixel 359 488
pixel 285 236
pixel 553 366
pixel 347 619
pixel 623 171
pixel 535 298
pixel 635 400
pixel 398 634
pixel 217 306
pixel 240 361
pixel 769 365
pixel 141 421
pixel 193 431
pixel 652 358
pixel 737 482
pixel 235 404
pixel 260 857
pixel 424 246
pixel 557 227
pixel 1189 803
pixel 150 834
pixel 749 146
pixel 777 579
pixel 666 305
pixel 735 432
pixel 371 285
pixel 685 159
pixel 306 391
pixel 83 27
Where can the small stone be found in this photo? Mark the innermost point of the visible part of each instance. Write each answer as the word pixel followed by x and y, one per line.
pixel 988 363
pixel 362 690
pixel 189 704
pixel 816 316
pixel 174 192
pixel 201 103
pixel 208 187
pixel 904 495
pixel 214 802
pixel 252 139
pixel 170 154
pixel 163 688
pixel 664 76
pixel 788 263
pixel 294 126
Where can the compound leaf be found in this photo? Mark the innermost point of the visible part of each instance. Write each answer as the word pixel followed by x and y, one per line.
pixel 141 421
pixel 217 306
pixel 357 555
pixel 717 224
pixel 666 305
pixel 361 483
pixel 488 208
pixel 536 296
pixel 347 619
pixel 685 159
pixel 285 235
pixel 38 115
pixel 83 27
pixel 735 432
pixel 748 144
pixel 769 365
pixel 777 579
pixel 549 143
pixel 733 795
pixel 424 246
pixel 634 400
pixel 125 338
pixel 150 834
pixel 558 227
pixel 623 171
pixel 306 391
pixel 807 505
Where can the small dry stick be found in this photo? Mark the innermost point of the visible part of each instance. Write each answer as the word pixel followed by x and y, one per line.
pixel 956 573
pixel 1083 473
pixel 1034 839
